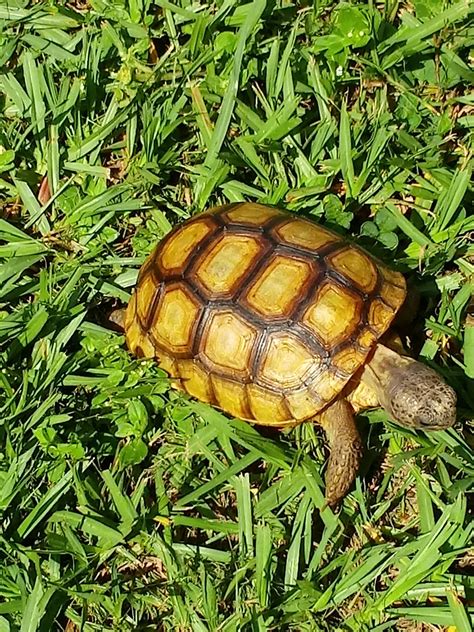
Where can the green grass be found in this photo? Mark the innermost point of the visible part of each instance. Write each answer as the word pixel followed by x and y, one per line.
pixel 126 506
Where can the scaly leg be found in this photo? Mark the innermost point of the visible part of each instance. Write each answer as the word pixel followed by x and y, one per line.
pixel 345 450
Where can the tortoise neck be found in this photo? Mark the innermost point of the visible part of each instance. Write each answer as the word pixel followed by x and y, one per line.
pixel 379 371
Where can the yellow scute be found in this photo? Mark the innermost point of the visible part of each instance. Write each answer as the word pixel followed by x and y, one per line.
pixel 300 232
pixel 228 342
pixel 267 408
pixel 178 247
pixel 145 295
pixel 175 319
pixel 334 314
pixel 287 361
pixel 279 286
pixel 304 404
pixel 380 315
pixel 231 396
pixel 252 214
pixel 227 262
pixel 195 379
pixel 356 266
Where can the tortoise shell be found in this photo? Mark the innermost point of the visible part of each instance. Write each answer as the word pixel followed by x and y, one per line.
pixel 260 313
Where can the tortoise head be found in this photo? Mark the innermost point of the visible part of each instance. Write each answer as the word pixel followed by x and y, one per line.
pixel 418 397
pixel 413 394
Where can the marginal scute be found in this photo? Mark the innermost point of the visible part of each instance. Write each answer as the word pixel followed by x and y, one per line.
pixel 334 314
pixel 252 214
pixel 366 339
pixel 147 347
pixel 133 335
pixel 279 286
pixel 392 277
pixel 392 295
pixel 380 315
pixel 362 396
pixel 168 364
pixel 137 340
pixel 267 407
pixel 195 380
pixel 146 296
pixel 231 396
pixel 227 344
pixel 221 268
pixel 348 360
pixel 327 385
pixel 148 266
pixel 175 320
pixel 356 266
pixel 130 317
pixel 305 234
pixel 303 403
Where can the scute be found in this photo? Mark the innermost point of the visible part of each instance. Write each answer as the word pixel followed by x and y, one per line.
pixel 334 314
pixel 174 251
pixel 303 403
pixel 195 380
pixel 287 362
pixel 279 286
pixel 175 319
pixel 170 365
pixel 328 384
pixel 348 360
pixel 304 234
pixel 380 315
pixel 147 296
pixel 259 312
pixel 221 268
pixel 268 407
pixel 251 214
pixel 356 266
pixel 392 295
pixel 137 340
pixel 227 343
pixel 366 339
pixel 231 395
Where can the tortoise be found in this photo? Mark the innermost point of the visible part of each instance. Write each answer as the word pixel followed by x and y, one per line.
pixel 277 320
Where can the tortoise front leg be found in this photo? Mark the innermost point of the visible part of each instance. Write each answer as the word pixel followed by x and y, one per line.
pixel 345 450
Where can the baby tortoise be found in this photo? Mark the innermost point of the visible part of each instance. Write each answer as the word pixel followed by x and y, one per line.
pixel 276 320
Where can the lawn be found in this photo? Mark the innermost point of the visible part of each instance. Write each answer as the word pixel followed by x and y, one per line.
pixel 127 506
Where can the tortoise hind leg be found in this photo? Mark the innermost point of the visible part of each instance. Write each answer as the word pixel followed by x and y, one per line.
pixel 345 450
